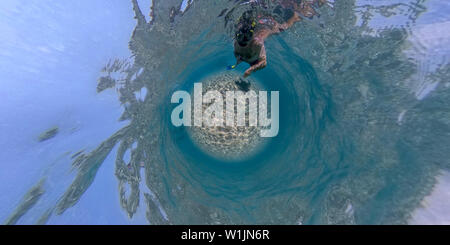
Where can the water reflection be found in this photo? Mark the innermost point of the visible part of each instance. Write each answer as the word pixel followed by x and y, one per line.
pixel 357 147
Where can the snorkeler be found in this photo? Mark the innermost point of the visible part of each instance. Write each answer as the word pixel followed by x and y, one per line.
pixel 251 31
pixel 250 35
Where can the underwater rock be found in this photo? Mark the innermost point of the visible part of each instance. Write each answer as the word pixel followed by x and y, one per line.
pixel 29 200
pixel 48 134
pixel 76 154
pixel 228 142
pixel 45 217
pixel 105 83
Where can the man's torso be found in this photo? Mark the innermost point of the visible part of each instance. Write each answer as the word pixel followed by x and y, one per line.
pixel 249 53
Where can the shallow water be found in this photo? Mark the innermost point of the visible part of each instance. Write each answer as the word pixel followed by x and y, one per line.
pixel 364 114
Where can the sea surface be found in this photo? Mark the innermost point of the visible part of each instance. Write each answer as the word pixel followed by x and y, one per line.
pixel 86 136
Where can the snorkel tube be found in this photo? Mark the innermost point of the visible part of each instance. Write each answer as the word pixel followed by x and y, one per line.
pixel 231 67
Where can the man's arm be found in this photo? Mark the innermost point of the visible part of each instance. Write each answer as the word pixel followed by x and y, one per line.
pixel 286 25
pixel 262 62
pixel 277 28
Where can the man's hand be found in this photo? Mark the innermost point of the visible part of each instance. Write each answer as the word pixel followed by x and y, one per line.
pixel 248 72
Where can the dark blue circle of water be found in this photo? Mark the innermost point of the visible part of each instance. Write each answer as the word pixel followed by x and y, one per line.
pixel 290 161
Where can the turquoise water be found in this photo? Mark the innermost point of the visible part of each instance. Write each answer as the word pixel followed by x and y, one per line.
pixel 364 123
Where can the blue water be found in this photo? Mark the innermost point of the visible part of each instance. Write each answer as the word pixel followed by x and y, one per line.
pixel 363 116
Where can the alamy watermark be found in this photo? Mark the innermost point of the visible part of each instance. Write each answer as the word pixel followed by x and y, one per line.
pixel 213 115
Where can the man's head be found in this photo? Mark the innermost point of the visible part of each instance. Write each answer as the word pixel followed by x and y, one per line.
pixel 245 28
